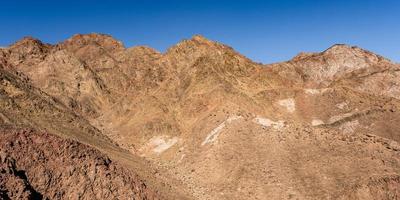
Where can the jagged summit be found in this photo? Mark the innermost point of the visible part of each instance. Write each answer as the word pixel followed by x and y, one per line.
pixel 198 38
pixel 196 42
pixel 199 42
pixel 27 51
pixel 341 51
pixel 28 40
pixel 197 49
pixel 102 40
pixel 347 50
pixel 340 46
pixel 336 62
pixel 201 39
pixel 29 44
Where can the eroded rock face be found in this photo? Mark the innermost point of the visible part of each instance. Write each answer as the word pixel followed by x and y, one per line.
pixel 13 182
pixel 337 62
pixel 36 165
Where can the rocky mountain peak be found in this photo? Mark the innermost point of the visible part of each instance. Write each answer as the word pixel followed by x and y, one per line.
pixel 198 49
pixel 28 40
pixel 27 51
pixel 343 51
pixel 93 39
pixel 336 62
pixel 340 52
pixel 200 39
pixel 29 45
pixel 341 47
pixel 196 43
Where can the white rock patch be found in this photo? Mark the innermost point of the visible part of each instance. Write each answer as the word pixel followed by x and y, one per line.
pixel 289 104
pixel 341 106
pixel 317 122
pixel 213 135
pixel 269 123
pixel 313 91
pixel 349 127
pixel 159 144
pixel 180 159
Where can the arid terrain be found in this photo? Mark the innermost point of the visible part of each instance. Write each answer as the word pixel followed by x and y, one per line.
pixel 88 118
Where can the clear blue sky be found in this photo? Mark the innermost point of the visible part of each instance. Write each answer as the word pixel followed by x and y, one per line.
pixel 265 31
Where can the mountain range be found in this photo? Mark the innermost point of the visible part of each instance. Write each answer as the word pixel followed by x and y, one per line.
pixel 88 118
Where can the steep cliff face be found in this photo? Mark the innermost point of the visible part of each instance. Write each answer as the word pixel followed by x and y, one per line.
pixel 209 123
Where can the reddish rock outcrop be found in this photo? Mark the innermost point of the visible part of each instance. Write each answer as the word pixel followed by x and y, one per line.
pixel 35 165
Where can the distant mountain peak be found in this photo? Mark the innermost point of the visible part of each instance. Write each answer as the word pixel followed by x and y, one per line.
pixel 89 36
pixel 342 52
pixel 28 41
pixel 198 41
pixel 27 51
pixel 200 38
pixel 341 48
pixel 103 40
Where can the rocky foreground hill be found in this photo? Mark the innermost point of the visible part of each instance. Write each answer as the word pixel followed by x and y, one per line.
pixel 199 121
pixel 37 165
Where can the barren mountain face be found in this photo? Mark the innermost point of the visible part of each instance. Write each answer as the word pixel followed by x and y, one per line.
pixel 199 121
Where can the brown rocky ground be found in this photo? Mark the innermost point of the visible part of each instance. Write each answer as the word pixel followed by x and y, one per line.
pixel 37 165
pixel 201 121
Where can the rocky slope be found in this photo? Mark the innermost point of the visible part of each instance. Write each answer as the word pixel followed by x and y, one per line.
pixel 208 123
pixel 37 165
